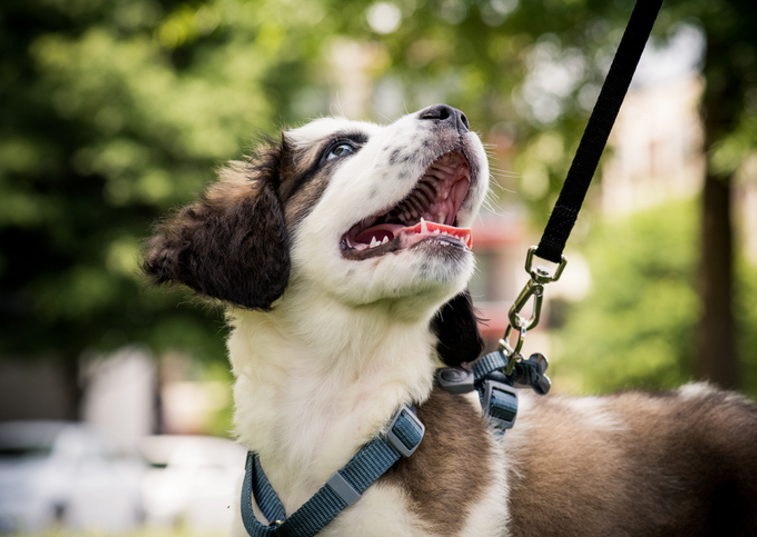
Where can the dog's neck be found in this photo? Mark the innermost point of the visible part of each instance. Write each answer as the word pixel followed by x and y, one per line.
pixel 318 379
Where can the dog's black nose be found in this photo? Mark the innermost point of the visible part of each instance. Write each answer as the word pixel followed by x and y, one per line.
pixel 443 112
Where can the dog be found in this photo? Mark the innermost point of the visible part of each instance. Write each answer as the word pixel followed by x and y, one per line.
pixel 341 254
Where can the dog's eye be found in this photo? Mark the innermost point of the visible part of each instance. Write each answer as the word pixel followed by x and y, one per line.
pixel 339 150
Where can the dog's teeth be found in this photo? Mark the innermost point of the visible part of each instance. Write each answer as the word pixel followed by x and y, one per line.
pixel 386 239
pixel 424 226
pixel 374 243
pixel 442 218
pixel 428 191
pixel 437 231
pixel 417 204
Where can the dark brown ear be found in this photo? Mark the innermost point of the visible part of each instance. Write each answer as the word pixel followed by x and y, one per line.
pixel 231 245
pixel 456 329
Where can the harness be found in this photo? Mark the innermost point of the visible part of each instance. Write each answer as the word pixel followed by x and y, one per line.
pixel 495 376
pixel 403 435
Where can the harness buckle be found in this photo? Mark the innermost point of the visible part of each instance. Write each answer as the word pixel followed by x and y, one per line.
pixel 405 431
pixel 500 403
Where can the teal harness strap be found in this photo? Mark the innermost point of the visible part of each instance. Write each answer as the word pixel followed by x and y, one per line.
pixel 403 436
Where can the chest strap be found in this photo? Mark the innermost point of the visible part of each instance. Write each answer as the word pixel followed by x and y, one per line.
pixel 401 439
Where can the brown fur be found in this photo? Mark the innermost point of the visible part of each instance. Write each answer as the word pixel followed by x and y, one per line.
pixel 449 471
pixel 249 212
pixel 669 465
pixel 251 269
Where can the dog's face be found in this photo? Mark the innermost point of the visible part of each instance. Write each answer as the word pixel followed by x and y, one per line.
pixel 364 213
pixel 363 239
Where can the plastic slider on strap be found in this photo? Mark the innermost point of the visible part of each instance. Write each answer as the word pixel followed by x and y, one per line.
pixel 405 431
pixel 500 403
pixel 343 489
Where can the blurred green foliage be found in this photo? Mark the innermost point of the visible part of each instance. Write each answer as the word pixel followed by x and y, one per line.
pixel 638 325
pixel 112 113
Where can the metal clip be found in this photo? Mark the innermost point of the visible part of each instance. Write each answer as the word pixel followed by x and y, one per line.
pixel 532 289
pixel 540 276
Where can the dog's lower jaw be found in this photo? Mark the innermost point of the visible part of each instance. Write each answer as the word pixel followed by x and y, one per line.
pixel 406 285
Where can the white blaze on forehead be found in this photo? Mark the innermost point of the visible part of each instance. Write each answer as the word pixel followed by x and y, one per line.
pixel 310 136
pixel 307 142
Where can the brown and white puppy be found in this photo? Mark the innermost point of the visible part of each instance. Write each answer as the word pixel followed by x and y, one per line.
pixel 341 298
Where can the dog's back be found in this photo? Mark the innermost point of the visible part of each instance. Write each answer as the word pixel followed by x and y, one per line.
pixel 634 464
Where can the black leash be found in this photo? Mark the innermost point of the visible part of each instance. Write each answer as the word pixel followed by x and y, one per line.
pixel 597 130
pixel 497 373
pixel 580 174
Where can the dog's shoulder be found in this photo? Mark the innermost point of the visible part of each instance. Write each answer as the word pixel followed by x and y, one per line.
pixel 455 467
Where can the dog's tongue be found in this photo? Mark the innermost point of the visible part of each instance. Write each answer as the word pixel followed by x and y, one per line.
pixel 425 229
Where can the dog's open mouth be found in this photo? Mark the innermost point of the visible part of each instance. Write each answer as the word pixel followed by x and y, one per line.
pixel 427 213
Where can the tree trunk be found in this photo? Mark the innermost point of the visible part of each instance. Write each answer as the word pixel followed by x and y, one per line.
pixel 721 105
pixel 717 360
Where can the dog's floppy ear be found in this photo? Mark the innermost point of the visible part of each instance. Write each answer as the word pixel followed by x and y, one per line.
pixel 456 329
pixel 232 244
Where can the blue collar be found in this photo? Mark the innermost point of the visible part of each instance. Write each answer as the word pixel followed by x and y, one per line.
pixel 401 439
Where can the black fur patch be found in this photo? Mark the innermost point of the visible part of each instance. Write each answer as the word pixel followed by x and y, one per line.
pixel 456 329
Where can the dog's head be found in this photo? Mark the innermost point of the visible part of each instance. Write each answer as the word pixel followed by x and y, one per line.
pixel 365 214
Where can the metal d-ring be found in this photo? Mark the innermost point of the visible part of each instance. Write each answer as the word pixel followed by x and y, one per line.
pixel 541 274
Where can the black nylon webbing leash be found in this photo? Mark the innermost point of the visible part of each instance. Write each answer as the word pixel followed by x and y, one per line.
pixel 497 373
pixel 579 177
pixel 597 130
pixel 582 170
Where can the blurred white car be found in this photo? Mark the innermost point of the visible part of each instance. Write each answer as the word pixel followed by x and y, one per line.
pixel 193 481
pixel 65 475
